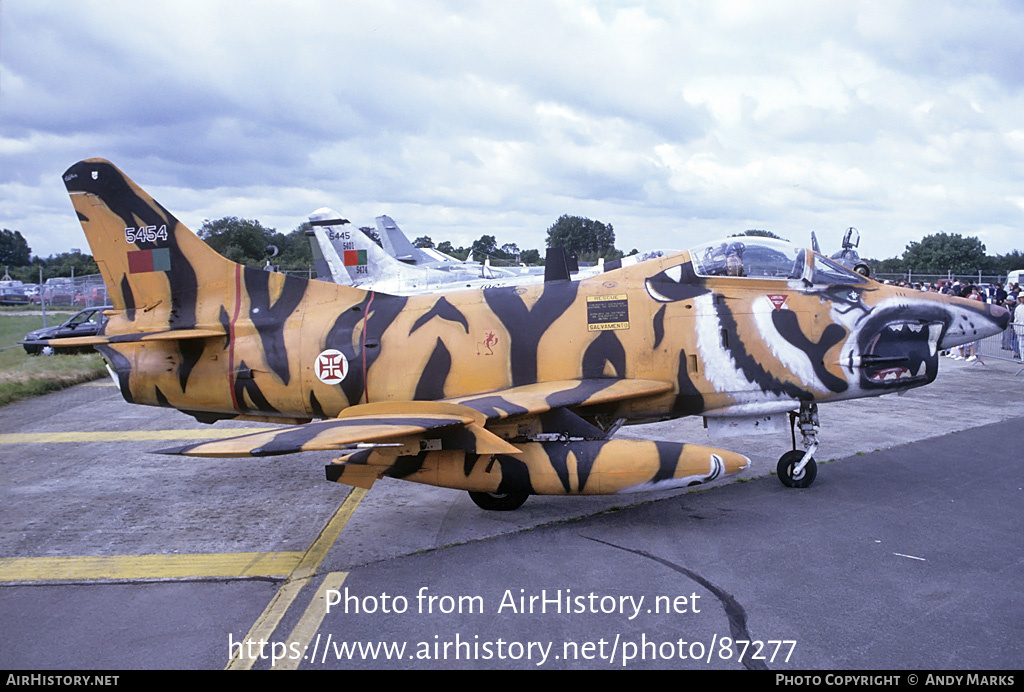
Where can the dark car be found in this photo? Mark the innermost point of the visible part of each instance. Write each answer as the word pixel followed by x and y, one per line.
pixel 12 292
pixel 88 322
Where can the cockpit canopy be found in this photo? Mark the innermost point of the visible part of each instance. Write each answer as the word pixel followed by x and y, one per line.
pixel 756 257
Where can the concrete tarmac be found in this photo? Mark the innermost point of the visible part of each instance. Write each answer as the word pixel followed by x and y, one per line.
pixel 905 554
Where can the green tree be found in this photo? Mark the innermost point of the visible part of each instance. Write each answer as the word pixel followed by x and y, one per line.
pixel 1004 264
pixel 73 263
pixel 423 241
pixel 893 265
pixel 14 249
pixel 457 252
pixel 293 249
pixel 530 257
pixel 758 233
pixel 485 246
pixel 372 234
pixel 509 251
pixel 240 240
pixel 246 241
pixel 589 239
pixel 941 253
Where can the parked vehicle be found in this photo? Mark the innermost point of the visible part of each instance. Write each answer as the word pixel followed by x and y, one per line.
pixel 88 322
pixel 1014 277
pixel 12 293
pixel 59 291
pixel 91 295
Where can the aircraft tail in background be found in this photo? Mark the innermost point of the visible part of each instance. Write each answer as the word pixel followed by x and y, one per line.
pixel 351 258
pixel 397 244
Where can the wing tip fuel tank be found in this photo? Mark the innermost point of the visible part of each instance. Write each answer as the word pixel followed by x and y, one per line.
pixel 579 467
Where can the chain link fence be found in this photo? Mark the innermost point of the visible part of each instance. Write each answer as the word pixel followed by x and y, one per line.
pixel 70 292
pixel 89 291
pixel 915 278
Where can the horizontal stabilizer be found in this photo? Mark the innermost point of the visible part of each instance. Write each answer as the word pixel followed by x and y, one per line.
pixel 98 340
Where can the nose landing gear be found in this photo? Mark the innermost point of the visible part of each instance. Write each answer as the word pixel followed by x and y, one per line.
pixel 797 469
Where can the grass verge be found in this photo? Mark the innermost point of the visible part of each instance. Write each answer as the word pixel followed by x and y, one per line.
pixel 23 376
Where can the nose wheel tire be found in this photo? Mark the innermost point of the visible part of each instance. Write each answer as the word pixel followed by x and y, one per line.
pixel 499 502
pixel 788 462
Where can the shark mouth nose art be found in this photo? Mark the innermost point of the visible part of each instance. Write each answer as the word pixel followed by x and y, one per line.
pixel 901 352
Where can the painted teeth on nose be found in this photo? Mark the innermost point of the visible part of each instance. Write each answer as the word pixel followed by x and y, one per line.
pixel 934 332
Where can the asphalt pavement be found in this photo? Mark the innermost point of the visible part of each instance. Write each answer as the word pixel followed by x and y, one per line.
pixel 907 553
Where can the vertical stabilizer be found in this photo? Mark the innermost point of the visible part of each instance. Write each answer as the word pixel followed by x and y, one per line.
pixel 353 259
pixel 396 244
pixel 149 260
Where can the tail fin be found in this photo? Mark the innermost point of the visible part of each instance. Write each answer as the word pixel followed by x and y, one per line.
pixel 397 244
pixel 353 258
pixel 146 256
pixel 324 272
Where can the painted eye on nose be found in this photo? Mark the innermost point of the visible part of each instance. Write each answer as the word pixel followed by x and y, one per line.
pixel 675 284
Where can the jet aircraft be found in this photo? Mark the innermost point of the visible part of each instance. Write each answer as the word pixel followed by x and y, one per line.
pixel 397 244
pixel 848 255
pixel 507 391
pixel 348 256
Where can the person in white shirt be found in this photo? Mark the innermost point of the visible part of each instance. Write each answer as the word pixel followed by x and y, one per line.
pixel 1018 324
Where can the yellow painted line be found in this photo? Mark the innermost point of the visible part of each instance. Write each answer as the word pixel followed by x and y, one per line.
pixel 323 543
pixel 125 567
pixel 267 622
pixel 126 435
pixel 292 564
pixel 245 655
pixel 307 626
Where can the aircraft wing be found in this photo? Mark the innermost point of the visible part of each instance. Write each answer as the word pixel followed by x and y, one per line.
pixel 398 425
pixel 405 426
pixel 547 396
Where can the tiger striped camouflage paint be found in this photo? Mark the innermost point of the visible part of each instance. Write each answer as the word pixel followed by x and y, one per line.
pixel 572 359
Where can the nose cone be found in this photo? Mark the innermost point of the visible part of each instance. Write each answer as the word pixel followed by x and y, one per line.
pixel 971 320
pixel 1001 315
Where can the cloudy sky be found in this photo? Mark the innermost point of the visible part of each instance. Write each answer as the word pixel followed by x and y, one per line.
pixel 676 122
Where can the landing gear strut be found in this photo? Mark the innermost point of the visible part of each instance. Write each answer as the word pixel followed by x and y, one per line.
pixel 498 502
pixel 797 469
